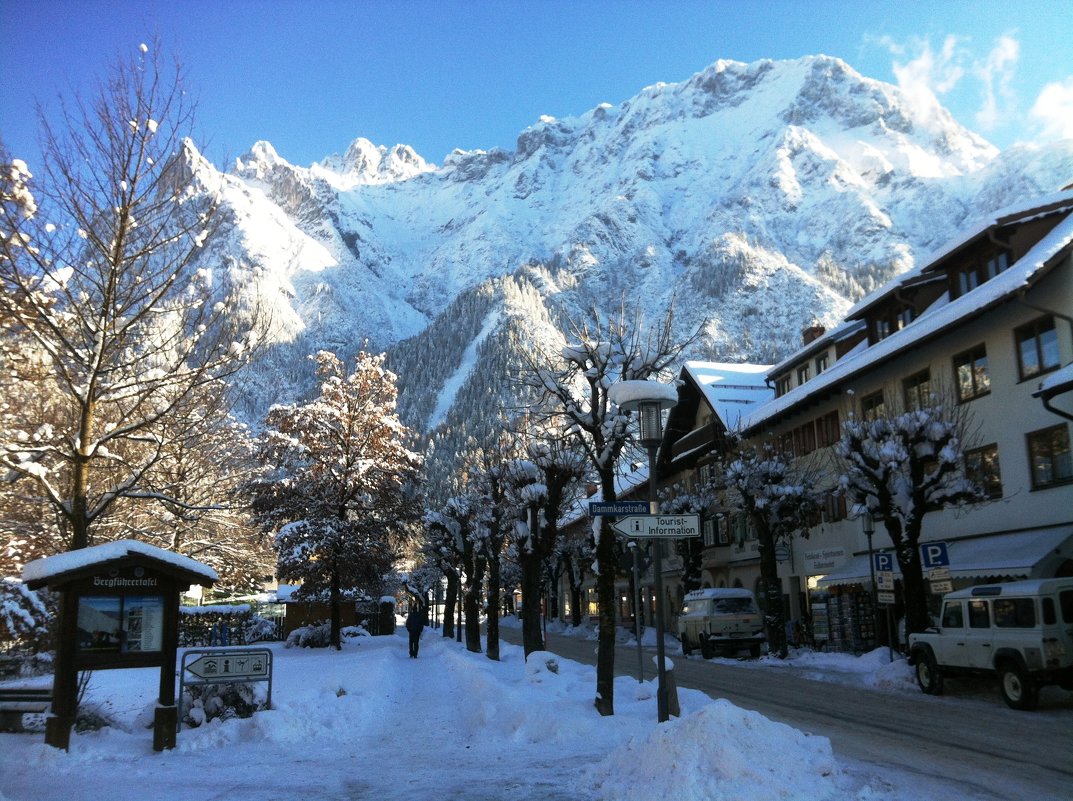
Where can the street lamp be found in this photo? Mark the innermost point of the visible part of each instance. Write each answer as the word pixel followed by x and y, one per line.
pixel 649 399
pixel 868 525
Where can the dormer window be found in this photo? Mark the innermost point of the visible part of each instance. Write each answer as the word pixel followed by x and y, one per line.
pixel 802 374
pixel 782 386
pixel 974 272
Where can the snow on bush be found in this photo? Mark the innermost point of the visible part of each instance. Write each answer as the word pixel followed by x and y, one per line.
pixel 204 702
pixel 318 635
pixel 24 619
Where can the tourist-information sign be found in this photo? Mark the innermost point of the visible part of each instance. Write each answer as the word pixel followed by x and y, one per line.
pixel 235 665
pixel 673 527
pixel 618 508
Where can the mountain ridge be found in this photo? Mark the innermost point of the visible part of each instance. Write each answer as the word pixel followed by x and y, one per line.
pixel 761 198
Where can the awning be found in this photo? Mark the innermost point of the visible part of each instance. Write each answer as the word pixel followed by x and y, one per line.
pixel 854 570
pixel 1022 554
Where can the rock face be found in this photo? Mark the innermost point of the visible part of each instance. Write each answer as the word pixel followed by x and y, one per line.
pixel 762 198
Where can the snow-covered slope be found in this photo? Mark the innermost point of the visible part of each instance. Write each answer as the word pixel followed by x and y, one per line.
pixel 762 197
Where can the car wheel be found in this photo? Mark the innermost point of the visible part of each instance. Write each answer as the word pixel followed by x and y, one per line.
pixel 707 649
pixel 928 676
pixel 754 651
pixel 687 646
pixel 1017 688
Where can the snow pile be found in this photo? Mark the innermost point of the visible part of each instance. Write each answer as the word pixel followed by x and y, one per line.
pixel 721 753
pixel 368 722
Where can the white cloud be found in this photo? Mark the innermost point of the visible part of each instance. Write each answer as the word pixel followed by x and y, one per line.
pixel 924 74
pixel 996 73
pixel 929 73
pixel 1053 110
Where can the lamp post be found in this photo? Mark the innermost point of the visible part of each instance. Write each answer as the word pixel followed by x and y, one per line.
pixel 868 525
pixel 635 553
pixel 649 399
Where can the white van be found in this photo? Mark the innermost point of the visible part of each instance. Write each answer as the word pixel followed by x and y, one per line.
pixel 721 621
pixel 1021 631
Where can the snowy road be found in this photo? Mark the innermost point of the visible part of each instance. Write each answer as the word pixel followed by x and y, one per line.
pixel 970 740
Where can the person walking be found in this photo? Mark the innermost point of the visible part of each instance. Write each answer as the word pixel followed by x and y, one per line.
pixel 415 624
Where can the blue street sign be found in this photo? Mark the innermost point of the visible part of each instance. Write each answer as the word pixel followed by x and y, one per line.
pixel 618 508
pixel 883 561
pixel 933 554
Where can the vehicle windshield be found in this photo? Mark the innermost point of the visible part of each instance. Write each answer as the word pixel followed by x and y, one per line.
pixel 734 606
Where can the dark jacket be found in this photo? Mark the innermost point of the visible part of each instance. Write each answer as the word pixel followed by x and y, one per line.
pixel 415 622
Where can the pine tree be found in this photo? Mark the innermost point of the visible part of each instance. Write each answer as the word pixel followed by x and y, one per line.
pixel 340 495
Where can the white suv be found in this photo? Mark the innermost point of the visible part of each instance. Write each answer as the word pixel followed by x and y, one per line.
pixel 1021 630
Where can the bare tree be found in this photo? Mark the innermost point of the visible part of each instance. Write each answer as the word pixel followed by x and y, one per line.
pixel 572 388
pixel 96 276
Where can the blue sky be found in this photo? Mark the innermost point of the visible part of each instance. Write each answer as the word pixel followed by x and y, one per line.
pixel 311 75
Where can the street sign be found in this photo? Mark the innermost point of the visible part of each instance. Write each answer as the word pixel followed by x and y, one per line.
pixel 223 666
pixel 939 587
pixel 934 554
pixel 885 598
pixel 885 580
pixel 938 574
pixel 883 561
pixel 669 526
pixel 618 508
pixel 235 665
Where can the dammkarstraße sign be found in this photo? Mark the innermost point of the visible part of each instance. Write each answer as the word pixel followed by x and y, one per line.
pixel 673 527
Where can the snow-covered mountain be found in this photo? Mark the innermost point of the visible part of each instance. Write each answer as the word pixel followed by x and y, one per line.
pixel 762 197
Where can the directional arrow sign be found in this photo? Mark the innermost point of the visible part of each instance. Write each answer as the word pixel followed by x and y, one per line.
pixel 674 527
pixel 246 665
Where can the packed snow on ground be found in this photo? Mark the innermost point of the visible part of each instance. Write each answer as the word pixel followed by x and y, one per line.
pixel 370 723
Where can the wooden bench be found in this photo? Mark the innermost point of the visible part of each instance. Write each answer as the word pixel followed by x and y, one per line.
pixel 17 701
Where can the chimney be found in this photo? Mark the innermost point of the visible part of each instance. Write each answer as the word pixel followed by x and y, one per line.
pixel 812 333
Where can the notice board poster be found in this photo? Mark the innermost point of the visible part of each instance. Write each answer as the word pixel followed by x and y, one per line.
pixel 120 623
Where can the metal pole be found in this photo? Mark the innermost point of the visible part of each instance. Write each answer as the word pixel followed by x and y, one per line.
pixel 635 551
pixel 869 530
pixel 661 668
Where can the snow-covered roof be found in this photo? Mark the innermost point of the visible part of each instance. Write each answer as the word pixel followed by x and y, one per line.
pixel 733 391
pixel 1020 212
pixel 1017 278
pixel 52 567
pixel 1056 383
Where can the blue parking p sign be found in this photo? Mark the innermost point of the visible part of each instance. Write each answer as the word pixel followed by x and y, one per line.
pixel 883 562
pixel 933 554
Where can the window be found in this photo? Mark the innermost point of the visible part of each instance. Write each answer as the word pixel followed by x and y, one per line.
pixel 1065 600
pixel 1037 347
pixel 804 439
pixel 996 264
pixel 953 615
pixel 821 363
pixel 834 507
pixel 1015 613
pixel 802 374
pixel 709 526
pixel 982 267
pixel 873 406
pixel 982 467
pixel 978 616
pixel 1049 456
pixel 973 377
pixel 827 430
pixel 918 390
pixel 782 386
